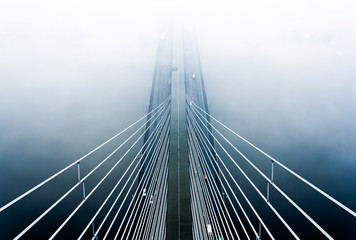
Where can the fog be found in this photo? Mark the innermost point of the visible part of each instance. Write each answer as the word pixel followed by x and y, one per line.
pixel 281 73
pixel 72 71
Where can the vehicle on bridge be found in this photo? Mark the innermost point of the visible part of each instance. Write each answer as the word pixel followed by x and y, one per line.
pixel 209 229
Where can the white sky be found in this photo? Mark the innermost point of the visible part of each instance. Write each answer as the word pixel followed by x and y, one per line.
pixel 51 49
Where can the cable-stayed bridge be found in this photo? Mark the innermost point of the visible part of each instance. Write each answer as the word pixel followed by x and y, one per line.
pixel 176 173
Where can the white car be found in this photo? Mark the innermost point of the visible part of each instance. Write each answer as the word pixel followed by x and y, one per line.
pixel 194 77
pixel 144 194
pixel 209 229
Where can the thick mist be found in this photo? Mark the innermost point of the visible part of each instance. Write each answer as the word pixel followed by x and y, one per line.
pixel 74 73
pixel 282 75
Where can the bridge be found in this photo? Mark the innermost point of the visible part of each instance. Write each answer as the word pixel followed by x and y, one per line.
pixel 175 173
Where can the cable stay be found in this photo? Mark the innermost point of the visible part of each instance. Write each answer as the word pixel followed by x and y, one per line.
pixel 101 181
pixel 228 184
pixel 151 163
pixel 218 198
pixel 159 107
pixel 203 130
pixel 127 181
pixel 135 206
pixel 153 116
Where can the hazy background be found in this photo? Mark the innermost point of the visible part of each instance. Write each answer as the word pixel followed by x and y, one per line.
pixel 72 74
pixel 281 73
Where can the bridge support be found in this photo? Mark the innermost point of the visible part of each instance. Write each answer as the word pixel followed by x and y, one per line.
pixel 179 217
